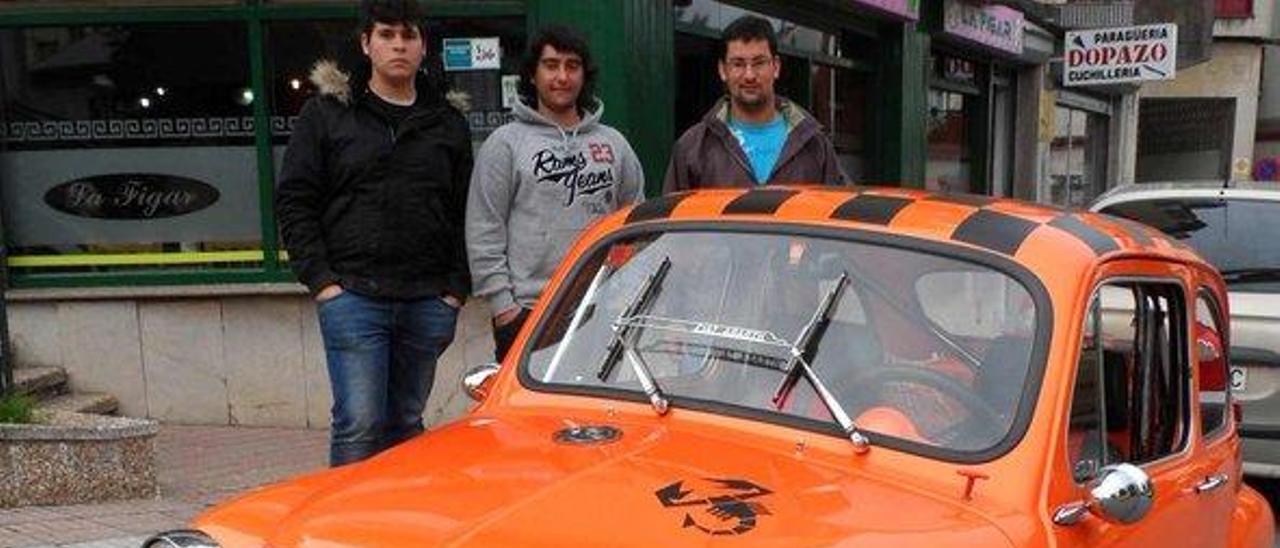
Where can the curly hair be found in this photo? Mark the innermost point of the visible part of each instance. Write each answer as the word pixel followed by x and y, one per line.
pixel 566 40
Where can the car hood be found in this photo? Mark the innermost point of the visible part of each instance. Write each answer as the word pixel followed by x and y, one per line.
pixel 485 482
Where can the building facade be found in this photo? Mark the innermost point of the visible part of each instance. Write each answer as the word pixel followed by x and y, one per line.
pixel 140 141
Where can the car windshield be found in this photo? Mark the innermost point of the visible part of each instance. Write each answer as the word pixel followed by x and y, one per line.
pixel 1235 235
pixel 914 346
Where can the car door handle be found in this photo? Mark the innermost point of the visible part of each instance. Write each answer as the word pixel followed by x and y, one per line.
pixel 1212 482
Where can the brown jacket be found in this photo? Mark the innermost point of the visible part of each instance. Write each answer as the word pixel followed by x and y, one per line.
pixel 707 155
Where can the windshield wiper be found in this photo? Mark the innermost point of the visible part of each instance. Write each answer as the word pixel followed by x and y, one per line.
pixel 799 364
pixel 619 347
pixel 1264 274
pixel 760 337
pixel 809 335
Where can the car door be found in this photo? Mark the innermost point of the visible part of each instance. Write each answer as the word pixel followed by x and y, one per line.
pixel 1218 466
pixel 1131 403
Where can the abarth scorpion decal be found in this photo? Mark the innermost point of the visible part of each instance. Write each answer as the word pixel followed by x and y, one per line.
pixel 724 507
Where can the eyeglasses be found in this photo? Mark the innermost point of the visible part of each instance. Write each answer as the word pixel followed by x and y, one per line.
pixel 738 65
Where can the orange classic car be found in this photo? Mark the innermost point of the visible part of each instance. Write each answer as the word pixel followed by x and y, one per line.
pixel 810 366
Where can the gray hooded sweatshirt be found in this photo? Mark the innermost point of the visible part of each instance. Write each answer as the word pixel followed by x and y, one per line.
pixel 535 187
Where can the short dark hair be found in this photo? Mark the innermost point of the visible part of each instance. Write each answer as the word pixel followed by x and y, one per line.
pixel 389 12
pixel 748 28
pixel 565 40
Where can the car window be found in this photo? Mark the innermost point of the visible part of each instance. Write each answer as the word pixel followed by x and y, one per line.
pixel 719 325
pixel 1235 235
pixel 1211 357
pixel 980 304
pixel 1130 394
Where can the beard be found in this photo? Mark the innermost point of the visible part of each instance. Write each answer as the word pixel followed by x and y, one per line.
pixel 753 102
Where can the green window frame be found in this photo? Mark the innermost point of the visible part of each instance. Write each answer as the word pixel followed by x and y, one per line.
pixel 269 263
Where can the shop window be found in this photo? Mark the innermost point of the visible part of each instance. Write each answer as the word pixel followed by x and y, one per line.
pixel 125 139
pixel 295 46
pixel 838 101
pixel 1077 158
pixel 1130 394
pixel 1185 139
pixel 820 72
pixel 29 4
pixel 948 128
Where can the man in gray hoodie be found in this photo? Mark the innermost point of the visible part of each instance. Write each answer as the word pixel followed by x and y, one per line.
pixel 543 178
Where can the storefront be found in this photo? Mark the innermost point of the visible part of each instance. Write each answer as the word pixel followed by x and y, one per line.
pixel 977 51
pixel 148 139
pixel 139 145
pixel 140 142
pixel 829 67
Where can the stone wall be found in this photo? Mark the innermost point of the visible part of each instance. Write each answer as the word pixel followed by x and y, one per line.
pixel 230 354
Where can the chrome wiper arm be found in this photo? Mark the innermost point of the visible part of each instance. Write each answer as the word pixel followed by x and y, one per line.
pixel 755 336
pixel 647 382
pixel 798 365
pixel 860 441
pixel 808 337
pixel 622 326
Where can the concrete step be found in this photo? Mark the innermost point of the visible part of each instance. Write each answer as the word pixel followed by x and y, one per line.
pixel 81 402
pixel 40 382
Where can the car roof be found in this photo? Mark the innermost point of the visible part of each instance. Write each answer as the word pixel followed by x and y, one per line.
pixel 1260 190
pixel 1035 235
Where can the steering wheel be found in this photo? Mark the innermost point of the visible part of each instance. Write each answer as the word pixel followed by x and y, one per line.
pixel 982 415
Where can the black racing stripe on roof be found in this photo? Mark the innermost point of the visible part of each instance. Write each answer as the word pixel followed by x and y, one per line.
pixel 995 231
pixel 974 200
pixel 1098 241
pixel 869 208
pixel 1135 230
pixel 759 202
pixel 656 208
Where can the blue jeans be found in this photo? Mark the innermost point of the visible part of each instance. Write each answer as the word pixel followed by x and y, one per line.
pixel 382 362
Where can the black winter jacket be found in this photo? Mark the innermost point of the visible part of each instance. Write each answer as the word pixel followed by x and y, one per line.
pixel 378 210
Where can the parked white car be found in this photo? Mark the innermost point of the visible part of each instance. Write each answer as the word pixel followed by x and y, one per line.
pixel 1236 227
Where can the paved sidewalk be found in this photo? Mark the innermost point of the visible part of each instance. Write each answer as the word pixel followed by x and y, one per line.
pixel 196 466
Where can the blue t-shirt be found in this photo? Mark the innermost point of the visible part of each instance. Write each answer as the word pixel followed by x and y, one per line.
pixel 762 144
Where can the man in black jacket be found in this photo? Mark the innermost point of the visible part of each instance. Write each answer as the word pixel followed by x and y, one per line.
pixel 371 204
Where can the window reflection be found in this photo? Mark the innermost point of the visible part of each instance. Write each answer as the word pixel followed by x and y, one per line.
pixel 128 138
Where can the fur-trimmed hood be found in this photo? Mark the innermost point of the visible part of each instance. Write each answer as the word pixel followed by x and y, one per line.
pixel 331 80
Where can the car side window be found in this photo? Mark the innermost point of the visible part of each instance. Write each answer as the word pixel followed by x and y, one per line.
pixel 1211 359
pixel 1130 401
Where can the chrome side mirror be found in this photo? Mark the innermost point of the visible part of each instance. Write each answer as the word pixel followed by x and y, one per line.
pixel 476 381
pixel 1122 494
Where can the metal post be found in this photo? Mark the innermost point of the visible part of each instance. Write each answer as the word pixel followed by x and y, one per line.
pixel 6 363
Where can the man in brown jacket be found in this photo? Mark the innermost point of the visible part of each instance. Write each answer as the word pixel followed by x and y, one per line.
pixel 753 136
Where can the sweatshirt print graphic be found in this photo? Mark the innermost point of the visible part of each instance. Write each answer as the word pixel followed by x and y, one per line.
pixel 535 188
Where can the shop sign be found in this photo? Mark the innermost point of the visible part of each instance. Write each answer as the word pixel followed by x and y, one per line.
pixel 906 9
pixel 992 25
pixel 1125 54
pixel 472 54
pixel 131 196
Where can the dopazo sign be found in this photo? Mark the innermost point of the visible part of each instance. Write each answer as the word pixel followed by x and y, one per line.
pixel 131 196
pixel 1116 55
